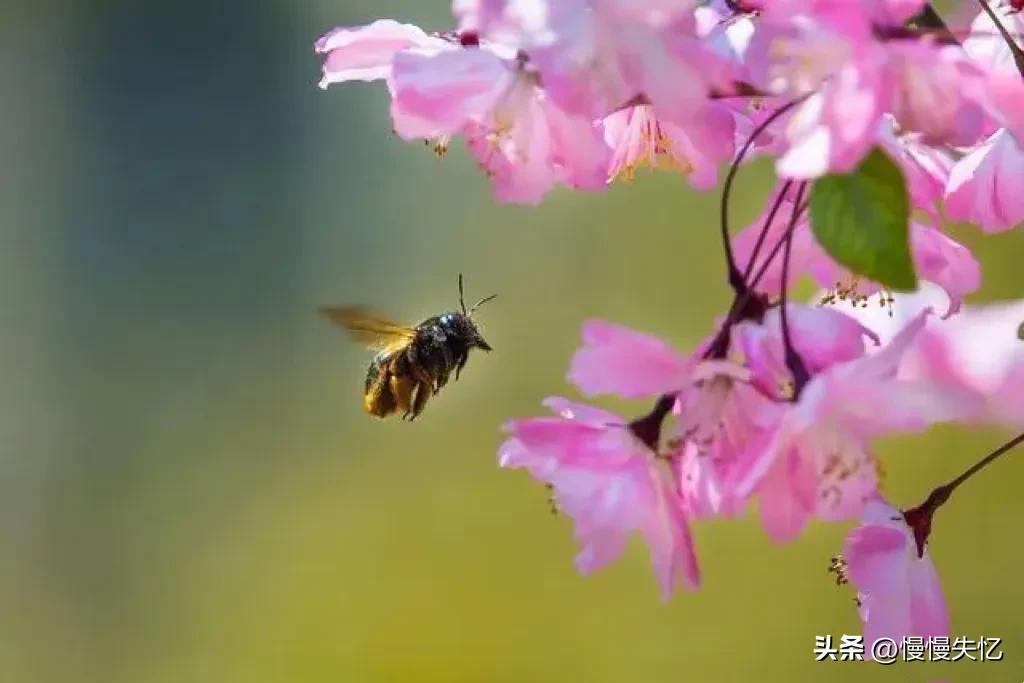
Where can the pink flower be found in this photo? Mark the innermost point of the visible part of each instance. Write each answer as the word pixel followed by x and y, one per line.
pixel 925 168
pixel 720 419
pixel 984 186
pixel 977 352
pixel 597 56
pixel 611 484
pixel 898 590
pixel 618 360
pixel 835 56
pixel 822 336
pixel 937 258
pixel 445 86
pixel 817 463
pixel 1002 93
pixel 365 53
pixel 930 85
pixel 639 138
pixel 981 351
pixel 718 412
pixel 521 139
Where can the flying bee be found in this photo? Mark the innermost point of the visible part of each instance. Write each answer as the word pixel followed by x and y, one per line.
pixel 412 363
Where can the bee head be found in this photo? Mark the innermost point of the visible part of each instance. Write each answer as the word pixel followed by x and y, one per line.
pixel 471 331
pixel 478 339
pixel 462 326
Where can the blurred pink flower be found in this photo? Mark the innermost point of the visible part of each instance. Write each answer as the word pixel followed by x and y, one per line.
pixel 611 484
pixel 926 168
pixel 979 351
pixel 822 336
pixel 522 140
pixel 639 138
pixel 621 361
pixel 365 53
pixel 899 591
pixel 456 84
pixel 597 56
pixel 1002 93
pixel 717 411
pixel 720 419
pixel 984 186
pixel 832 55
pixel 937 258
pixel 817 462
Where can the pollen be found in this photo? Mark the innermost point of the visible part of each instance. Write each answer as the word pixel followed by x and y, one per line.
pixel 840 568
pixel 645 143
pixel 787 389
pixel 850 291
pixel 439 146
pixel 846 291
pixel 552 503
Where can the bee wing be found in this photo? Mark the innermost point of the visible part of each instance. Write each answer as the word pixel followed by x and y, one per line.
pixel 368 327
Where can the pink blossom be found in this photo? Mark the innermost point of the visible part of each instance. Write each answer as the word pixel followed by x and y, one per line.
pixel 445 86
pixel 929 91
pixel 522 140
pixel 365 52
pixel 720 418
pixel 977 352
pixel 718 412
pixel 1002 93
pixel 981 351
pixel 899 591
pixel 937 258
pixel 596 56
pixel 611 484
pixel 822 336
pixel 639 138
pixel 630 364
pixel 984 186
pixel 829 54
pixel 926 168
pixel 817 463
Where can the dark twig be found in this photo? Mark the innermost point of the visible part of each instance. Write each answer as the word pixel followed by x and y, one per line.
pixel 919 519
pixel 736 280
pixel 794 362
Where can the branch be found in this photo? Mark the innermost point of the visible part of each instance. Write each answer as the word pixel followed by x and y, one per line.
pixel 920 518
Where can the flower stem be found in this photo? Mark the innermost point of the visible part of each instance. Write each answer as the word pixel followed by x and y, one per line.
pixel 1018 53
pixel 794 362
pixel 648 427
pixel 749 300
pixel 736 280
pixel 920 518
pixel 781 197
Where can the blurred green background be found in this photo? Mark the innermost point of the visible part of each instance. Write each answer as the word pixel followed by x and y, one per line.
pixel 189 489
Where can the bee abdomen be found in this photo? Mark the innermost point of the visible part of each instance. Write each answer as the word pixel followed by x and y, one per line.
pixel 377 398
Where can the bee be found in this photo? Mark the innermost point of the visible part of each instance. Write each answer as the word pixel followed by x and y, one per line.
pixel 412 363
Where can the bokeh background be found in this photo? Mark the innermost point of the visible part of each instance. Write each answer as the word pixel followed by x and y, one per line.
pixel 189 489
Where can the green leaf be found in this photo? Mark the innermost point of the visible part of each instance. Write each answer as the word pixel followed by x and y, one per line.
pixel 862 219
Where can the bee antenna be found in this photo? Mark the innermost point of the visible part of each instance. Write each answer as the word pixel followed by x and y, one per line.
pixel 462 301
pixel 478 304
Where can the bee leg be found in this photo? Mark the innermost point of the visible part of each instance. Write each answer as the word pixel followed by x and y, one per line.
pixel 423 394
pixel 418 365
pixel 401 391
pixel 463 357
pixel 378 399
pixel 442 375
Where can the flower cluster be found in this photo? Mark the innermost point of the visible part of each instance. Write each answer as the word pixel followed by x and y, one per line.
pixel 882 123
